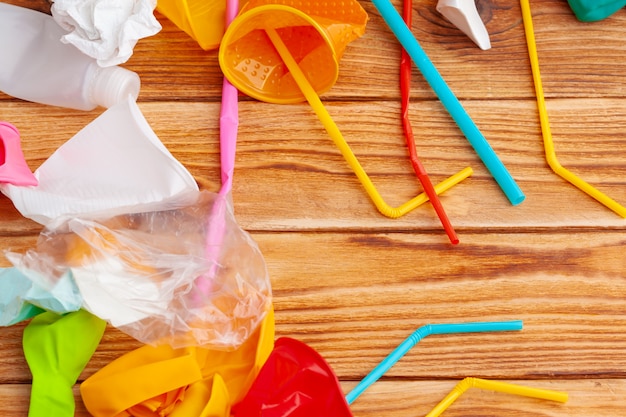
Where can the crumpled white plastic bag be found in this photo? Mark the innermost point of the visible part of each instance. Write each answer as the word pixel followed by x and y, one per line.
pixel 19 293
pixel 106 30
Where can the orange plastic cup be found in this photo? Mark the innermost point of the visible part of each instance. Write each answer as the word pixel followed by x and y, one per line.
pixel 316 32
pixel 203 20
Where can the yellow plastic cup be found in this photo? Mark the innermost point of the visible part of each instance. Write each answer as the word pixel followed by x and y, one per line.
pixel 315 32
pixel 203 20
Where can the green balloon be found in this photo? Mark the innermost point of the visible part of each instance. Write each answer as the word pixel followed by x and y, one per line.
pixel 594 10
pixel 57 349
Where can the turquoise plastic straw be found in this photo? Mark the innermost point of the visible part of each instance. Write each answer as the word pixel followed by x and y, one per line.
pixel 419 334
pixel 450 102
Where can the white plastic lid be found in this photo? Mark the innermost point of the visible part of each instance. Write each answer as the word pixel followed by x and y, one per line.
pixel 113 85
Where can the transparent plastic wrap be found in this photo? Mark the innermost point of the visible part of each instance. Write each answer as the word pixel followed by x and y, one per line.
pixel 160 275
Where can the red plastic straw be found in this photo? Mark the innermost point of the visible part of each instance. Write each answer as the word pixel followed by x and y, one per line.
pixel 420 171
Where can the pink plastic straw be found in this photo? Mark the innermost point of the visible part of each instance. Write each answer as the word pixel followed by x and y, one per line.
pixel 229 118
pixel 229 123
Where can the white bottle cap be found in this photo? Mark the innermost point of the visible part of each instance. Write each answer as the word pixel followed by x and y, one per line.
pixel 112 85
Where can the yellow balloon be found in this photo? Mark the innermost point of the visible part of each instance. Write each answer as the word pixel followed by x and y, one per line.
pixel 161 381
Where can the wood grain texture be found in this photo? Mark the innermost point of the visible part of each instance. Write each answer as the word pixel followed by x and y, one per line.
pixel 352 283
pixel 419 397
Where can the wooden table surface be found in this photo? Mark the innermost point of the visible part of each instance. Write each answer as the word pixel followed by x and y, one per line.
pixel 352 283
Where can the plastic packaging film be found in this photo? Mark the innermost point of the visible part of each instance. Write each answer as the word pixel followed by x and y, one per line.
pixel 131 273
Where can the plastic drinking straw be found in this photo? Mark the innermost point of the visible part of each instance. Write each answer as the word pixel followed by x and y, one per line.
pixel 450 102
pixel 229 118
pixel 504 387
pixel 340 142
pixel 545 123
pixel 229 123
pixel 419 334
pixel 420 171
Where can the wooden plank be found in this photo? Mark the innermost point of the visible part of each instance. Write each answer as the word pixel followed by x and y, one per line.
pixel 355 297
pixel 597 397
pixel 401 398
pixel 352 283
pixel 281 161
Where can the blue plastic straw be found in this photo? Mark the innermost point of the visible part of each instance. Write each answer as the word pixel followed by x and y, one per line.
pixel 450 102
pixel 419 334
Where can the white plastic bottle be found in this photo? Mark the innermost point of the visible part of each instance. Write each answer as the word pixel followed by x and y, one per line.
pixel 36 66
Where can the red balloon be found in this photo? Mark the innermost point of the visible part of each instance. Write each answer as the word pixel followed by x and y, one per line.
pixel 295 381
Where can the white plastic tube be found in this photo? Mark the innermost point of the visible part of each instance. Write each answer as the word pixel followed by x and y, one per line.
pixel 36 66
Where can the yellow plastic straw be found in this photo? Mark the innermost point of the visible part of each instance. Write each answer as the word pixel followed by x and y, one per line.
pixel 504 387
pixel 545 124
pixel 340 142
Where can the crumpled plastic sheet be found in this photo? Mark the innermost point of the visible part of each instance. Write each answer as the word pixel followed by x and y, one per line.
pixel 106 30
pixel 116 162
pixel 22 297
pixel 154 274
